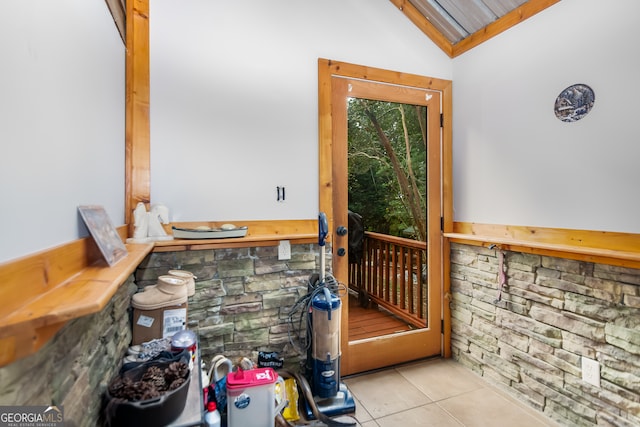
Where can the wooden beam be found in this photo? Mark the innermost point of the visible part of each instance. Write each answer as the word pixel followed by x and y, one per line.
pixel 424 25
pixel 503 23
pixel 137 134
pixel 516 16
pixel 325 140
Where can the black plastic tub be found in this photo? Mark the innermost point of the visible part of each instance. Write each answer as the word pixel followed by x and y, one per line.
pixel 154 412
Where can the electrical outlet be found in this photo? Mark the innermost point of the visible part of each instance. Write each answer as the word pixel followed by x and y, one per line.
pixel 284 250
pixel 591 371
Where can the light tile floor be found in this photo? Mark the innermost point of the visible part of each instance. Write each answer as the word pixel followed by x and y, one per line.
pixel 436 392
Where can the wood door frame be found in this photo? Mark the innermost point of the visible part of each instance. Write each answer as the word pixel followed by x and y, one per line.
pixel 388 350
pixel 327 69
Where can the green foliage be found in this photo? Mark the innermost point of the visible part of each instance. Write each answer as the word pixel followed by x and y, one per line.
pixel 374 185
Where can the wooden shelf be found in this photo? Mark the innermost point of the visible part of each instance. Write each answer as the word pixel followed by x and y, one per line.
pixel 36 317
pixel 511 243
pixel 611 248
pixel 260 233
pixel 235 242
pixel 45 290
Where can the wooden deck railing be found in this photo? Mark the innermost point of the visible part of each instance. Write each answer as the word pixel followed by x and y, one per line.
pixel 393 271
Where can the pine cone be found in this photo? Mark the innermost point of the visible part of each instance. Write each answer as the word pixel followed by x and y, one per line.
pixel 131 390
pixel 176 370
pixel 150 373
pixel 154 382
pixel 122 387
pixel 145 391
pixel 155 376
pixel 150 393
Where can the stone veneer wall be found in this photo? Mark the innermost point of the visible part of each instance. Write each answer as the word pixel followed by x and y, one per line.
pixel 243 296
pixel 241 306
pixel 553 311
pixel 75 366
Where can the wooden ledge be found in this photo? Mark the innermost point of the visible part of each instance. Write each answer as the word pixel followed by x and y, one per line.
pixel 240 242
pixel 85 293
pixel 40 301
pixel 41 292
pixel 259 233
pixel 612 248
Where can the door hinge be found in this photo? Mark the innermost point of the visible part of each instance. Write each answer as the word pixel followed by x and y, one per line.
pixel 442 326
pixel 441 120
pixel 442 223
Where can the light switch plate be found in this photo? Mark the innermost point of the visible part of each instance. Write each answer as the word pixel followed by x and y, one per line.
pixel 591 371
pixel 284 250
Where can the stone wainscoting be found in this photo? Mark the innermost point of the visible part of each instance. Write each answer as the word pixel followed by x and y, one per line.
pixel 74 368
pixel 551 313
pixel 243 297
pixel 241 306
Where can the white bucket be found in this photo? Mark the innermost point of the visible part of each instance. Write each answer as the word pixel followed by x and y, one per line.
pixel 251 398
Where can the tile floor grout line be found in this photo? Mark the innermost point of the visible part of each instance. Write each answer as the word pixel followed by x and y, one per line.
pixel 412 408
pixel 476 387
pixel 421 383
pixel 451 415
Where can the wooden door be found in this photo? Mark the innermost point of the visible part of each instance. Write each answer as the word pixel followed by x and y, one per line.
pixel 389 349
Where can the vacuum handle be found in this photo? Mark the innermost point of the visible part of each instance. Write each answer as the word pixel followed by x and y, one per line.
pixel 323 228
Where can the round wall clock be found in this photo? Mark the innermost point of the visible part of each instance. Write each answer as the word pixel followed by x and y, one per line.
pixel 574 103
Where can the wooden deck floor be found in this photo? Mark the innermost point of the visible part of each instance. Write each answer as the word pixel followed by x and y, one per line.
pixel 372 322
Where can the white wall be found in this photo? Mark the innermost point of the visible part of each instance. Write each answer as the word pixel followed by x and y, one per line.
pixel 234 97
pixel 61 121
pixel 234 111
pixel 514 161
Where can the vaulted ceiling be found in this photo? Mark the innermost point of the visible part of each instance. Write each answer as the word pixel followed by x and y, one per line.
pixel 454 25
pixel 459 25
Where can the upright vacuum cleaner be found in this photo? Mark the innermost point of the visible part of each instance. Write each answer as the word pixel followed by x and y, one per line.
pixel 322 368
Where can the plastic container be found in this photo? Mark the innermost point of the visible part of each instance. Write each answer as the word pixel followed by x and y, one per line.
pixel 212 417
pixel 251 398
pixel 184 340
pixel 155 412
pixel 325 319
pixel 290 412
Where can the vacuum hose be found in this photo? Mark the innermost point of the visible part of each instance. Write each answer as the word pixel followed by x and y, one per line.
pixel 303 386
